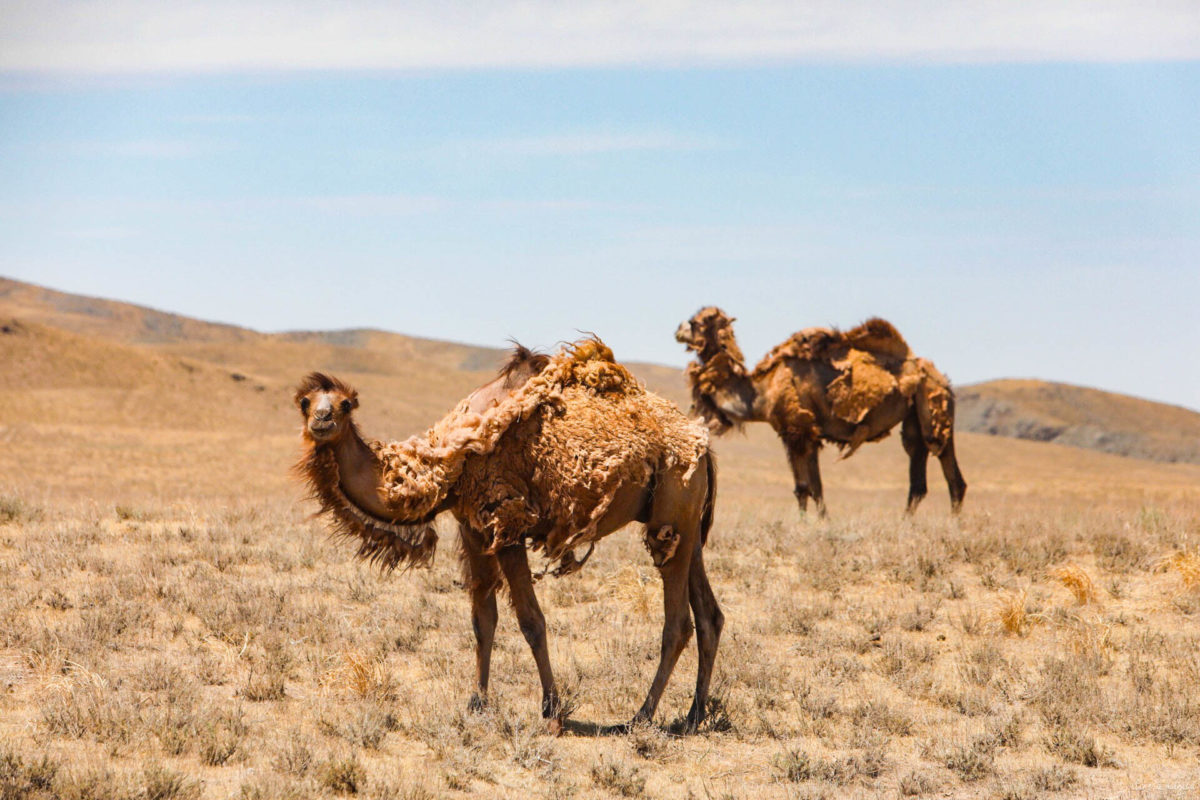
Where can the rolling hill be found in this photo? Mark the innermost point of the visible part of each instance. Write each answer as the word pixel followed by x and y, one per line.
pixel 69 359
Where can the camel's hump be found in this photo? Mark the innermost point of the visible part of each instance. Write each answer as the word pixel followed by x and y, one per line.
pixel 876 336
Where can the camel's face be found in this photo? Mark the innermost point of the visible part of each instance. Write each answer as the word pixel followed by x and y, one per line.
pixel 685 334
pixel 702 328
pixel 326 404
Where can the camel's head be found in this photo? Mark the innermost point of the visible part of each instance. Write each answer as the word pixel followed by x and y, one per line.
pixel 709 332
pixel 326 404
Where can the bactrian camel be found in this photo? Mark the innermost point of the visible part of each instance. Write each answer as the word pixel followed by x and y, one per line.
pixel 844 387
pixel 554 454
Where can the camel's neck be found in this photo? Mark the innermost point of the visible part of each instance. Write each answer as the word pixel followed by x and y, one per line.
pixel 739 398
pixel 724 393
pixel 359 473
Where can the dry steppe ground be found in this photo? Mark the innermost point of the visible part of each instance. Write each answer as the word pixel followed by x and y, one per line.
pixel 174 625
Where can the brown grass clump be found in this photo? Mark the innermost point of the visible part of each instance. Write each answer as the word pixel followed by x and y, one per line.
pixel 1184 564
pixel 1013 612
pixel 1078 583
pixel 362 676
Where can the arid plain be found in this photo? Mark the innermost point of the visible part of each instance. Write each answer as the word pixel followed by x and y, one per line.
pixel 174 625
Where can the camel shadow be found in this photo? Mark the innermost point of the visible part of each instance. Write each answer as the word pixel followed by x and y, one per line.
pixel 677 728
pixel 594 729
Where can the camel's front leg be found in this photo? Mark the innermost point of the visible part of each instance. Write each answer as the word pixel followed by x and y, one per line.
pixel 918 456
pixel 482 577
pixel 515 564
pixel 677 616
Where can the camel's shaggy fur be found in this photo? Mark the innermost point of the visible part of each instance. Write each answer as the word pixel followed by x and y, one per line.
pixel 583 425
pixel 822 384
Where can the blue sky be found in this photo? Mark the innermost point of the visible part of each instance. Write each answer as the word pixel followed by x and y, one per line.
pixel 1013 213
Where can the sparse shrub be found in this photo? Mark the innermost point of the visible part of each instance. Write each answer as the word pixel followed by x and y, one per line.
pixel 342 775
pixel 647 741
pixel 21 779
pixel 972 761
pixel 293 757
pixel 264 685
pixel 1078 748
pixel 797 766
pixel 917 784
pixel 1053 779
pixel 92 784
pixel 878 716
pixel 14 509
pixel 625 780
pixel 273 787
pixel 219 736
pixel 363 724
pixel 92 709
pixel 161 783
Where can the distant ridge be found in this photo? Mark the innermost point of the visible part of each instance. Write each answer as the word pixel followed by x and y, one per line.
pixel 1076 415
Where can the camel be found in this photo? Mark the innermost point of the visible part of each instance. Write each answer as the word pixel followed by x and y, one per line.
pixel 556 452
pixel 845 387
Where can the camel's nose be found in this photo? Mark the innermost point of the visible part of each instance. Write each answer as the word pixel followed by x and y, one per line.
pixel 683 333
pixel 323 410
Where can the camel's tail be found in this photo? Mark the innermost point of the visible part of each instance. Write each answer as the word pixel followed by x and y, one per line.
pixel 710 499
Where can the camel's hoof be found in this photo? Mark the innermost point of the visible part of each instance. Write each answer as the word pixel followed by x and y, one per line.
pixel 554 726
pixel 477 703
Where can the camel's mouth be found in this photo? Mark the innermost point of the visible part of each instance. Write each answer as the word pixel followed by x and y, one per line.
pixel 683 334
pixel 321 428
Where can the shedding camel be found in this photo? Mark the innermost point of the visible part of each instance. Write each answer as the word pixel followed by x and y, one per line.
pixel 554 454
pixel 845 387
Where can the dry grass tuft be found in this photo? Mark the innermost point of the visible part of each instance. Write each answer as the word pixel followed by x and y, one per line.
pixel 1078 583
pixel 1013 613
pixel 1184 564
pixel 362 676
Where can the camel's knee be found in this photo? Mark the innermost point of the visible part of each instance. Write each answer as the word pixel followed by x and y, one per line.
pixel 534 631
pixel 717 620
pixel 679 634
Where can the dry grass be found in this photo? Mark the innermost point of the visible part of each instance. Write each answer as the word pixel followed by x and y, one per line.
pixel 181 653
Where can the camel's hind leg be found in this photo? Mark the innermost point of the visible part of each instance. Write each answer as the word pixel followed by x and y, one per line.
pixel 515 564
pixel 803 456
pixel 709 622
pixel 482 574
pixel 954 478
pixel 673 535
pixel 918 458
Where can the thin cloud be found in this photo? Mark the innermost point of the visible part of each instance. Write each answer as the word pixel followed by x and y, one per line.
pixel 149 148
pixel 143 36
pixel 593 143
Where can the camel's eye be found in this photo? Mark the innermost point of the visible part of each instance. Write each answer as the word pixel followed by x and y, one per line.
pixel 346 406
pixel 304 404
